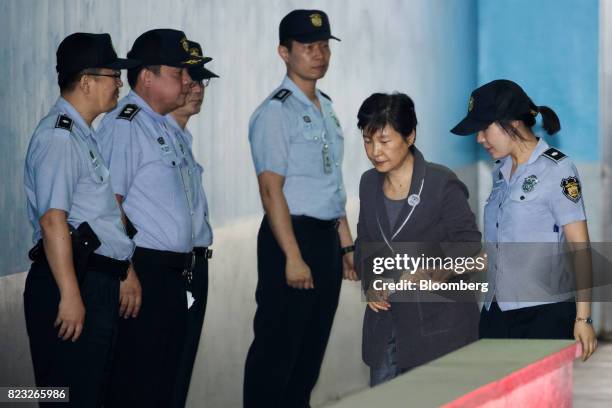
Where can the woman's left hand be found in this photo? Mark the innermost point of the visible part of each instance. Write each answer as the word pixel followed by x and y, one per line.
pixel 584 333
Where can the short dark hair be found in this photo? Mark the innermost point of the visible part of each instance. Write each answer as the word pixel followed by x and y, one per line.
pixel 133 73
pixel 287 43
pixel 381 109
pixel 67 81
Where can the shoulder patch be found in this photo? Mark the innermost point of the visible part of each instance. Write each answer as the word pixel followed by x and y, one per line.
pixel 64 122
pixel 282 95
pixel 129 111
pixel 325 95
pixel 554 155
pixel 571 188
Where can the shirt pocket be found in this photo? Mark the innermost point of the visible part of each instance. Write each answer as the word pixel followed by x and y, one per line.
pixel 306 152
pixel 529 216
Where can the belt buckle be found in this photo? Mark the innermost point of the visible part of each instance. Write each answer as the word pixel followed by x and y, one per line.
pixel 336 223
pixel 209 253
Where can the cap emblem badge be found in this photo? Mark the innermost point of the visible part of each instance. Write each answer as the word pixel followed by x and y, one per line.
pixel 194 52
pixel 316 20
pixel 185 44
pixel 471 104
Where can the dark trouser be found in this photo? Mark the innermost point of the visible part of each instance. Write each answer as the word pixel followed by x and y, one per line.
pixel 148 347
pixel 292 326
pixel 195 319
pixel 551 321
pixel 84 365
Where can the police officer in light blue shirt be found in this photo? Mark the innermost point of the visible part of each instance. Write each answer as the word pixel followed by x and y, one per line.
pixel 306 148
pixel 203 236
pixel 304 242
pixel 72 290
pixel 535 206
pixel 151 180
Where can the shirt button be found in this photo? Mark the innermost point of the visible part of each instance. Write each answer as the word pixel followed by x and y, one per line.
pixel 316 138
pixel 522 197
pixel 336 164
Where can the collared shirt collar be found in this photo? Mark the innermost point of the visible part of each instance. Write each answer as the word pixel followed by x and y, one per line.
pixel 290 85
pixel 506 166
pixel 173 123
pixel 63 104
pixel 137 99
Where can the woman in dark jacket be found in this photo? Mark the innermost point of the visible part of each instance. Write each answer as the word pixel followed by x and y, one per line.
pixel 409 206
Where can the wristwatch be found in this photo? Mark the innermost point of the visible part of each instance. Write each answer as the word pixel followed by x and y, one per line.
pixel 587 320
pixel 347 249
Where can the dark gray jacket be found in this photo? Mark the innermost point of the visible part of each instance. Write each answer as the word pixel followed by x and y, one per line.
pixel 440 224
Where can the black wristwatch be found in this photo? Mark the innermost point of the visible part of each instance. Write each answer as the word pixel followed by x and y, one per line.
pixel 345 250
pixel 587 320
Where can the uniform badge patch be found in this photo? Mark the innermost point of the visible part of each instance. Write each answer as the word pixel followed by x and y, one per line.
pixel 571 188
pixel 64 122
pixel 530 183
pixel 128 112
pixel 282 95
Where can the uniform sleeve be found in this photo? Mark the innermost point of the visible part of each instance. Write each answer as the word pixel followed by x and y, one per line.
pixel 121 152
pixel 56 171
pixel 269 140
pixel 458 221
pixel 566 200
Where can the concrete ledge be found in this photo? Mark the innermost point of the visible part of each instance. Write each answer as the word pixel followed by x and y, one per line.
pixel 487 373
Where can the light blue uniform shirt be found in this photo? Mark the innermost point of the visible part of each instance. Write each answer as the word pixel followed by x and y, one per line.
pixel 65 171
pixel 139 147
pixel 531 207
pixel 203 235
pixel 289 136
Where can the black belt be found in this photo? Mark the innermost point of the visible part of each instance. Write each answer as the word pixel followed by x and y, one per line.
pixel 307 220
pixel 183 261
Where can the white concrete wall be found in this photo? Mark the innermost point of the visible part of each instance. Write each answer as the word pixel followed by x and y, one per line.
pixel 426 48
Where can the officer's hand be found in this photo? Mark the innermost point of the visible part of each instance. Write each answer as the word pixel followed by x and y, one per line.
pixel 70 316
pixel 348 267
pixel 130 295
pixel 584 333
pixel 298 274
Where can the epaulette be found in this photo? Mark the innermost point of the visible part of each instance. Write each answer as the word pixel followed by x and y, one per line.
pixel 554 155
pixel 64 122
pixel 282 95
pixel 129 111
pixel 325 95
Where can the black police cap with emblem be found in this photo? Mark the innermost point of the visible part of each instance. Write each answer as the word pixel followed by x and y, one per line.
pixel 164 46
pixel 305 26
pixel 199 73
pixel 498 100
pixel 80 51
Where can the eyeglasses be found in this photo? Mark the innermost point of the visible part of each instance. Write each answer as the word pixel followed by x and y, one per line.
pixel 116 74
pixel 203 83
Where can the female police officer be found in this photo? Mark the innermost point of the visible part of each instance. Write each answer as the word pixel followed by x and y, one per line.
pixel 536 199
pixel 405 199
